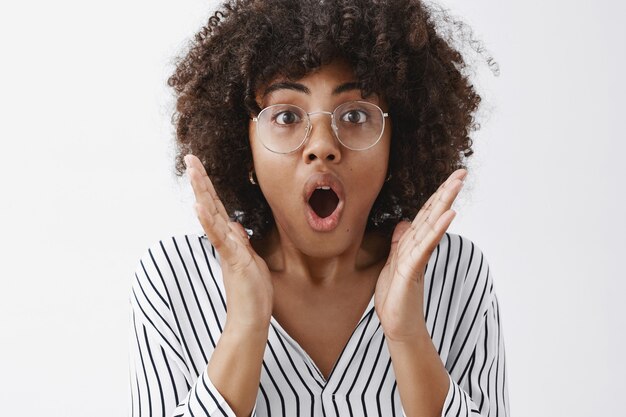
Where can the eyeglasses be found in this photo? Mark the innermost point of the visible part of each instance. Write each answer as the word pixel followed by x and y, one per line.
pixel 284 128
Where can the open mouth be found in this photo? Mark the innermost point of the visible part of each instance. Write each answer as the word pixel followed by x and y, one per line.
pixel 324 201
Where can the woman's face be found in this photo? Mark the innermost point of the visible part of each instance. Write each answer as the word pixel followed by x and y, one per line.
pixel 321 194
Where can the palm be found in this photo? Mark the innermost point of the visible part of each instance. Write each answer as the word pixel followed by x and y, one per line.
pixel 399 292
pixel 247 279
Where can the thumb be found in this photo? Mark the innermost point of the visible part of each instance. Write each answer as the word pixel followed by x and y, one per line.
pixel 398 232
pixel 239 230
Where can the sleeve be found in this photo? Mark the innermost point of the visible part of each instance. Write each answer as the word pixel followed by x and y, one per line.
pixel 475 358
pixel 161 383
pixel 481 389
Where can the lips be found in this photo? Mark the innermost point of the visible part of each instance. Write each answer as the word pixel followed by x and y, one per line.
pixel 324 198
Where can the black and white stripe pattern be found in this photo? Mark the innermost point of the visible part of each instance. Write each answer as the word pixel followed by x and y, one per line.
pixel 178 310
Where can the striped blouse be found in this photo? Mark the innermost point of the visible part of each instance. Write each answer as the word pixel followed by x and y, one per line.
pixel 178 311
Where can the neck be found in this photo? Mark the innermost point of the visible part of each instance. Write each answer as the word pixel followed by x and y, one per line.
pixel 283 258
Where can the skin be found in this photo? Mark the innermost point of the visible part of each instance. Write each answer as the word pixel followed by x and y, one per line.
pixel 322 280
pixel 300 273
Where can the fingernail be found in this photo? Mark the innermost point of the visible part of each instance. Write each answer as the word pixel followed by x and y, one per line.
pixel 186 159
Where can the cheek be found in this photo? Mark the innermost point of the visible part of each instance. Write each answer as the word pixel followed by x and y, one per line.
pixel 265 164
pixel 277 187
pixel 281 196
pixel 373 172
pixel 269 169
pixel 377 163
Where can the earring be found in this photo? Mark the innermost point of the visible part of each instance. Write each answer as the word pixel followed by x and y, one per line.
pixel 252 177
pixel 388 177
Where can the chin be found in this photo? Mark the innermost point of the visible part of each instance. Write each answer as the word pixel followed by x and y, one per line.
pixel 327 244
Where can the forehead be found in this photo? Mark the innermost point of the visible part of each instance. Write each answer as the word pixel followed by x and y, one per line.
pixel 326 78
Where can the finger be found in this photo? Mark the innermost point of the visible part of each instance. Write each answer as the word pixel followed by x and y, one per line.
pixel 424 225
pixel 203 187
pixel 439 208
pixel 399 231
pixel 427 210
pixel 421 252
pixel 417 255
pixel 429 225
pixel 229 238
pixel 458 174
pixel 443 202
pixel 237 228
pixel 224 236
pixel 427 207
pixel 207 211
pixel 401 228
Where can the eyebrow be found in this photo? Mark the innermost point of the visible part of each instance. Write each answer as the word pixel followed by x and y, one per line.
pixel 288 85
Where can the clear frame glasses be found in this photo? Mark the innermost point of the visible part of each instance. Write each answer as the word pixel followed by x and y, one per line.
pixel 284 128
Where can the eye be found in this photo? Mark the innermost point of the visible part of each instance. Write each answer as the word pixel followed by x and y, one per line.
pixel 354 116
pixel 286 117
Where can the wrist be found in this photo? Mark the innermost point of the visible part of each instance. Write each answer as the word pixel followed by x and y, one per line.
pixel 245 331
pixel 417 335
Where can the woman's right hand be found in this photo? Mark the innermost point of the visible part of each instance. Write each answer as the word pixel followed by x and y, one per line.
pixel 247 279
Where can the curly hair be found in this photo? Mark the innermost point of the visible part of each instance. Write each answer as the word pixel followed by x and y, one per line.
pixel 394 49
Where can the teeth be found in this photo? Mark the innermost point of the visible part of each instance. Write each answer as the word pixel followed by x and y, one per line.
pixel 324 187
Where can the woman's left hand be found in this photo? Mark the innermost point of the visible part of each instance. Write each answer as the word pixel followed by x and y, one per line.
pixel 399 296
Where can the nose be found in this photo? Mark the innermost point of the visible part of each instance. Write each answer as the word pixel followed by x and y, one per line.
pixel 322 142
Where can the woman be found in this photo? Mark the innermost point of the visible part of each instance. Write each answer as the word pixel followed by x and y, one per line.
pixel 312 132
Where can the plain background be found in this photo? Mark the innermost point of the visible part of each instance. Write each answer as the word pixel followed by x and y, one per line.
pixel 87 185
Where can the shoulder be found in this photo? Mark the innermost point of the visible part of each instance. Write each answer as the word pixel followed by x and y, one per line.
pixel 459 293
pixel 172 262
pixel 460 249
pixel 178 251
pixel 175 279
pixel 461 264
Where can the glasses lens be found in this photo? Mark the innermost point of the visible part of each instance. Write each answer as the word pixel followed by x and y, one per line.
pixel 359 124
pixel 282 127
